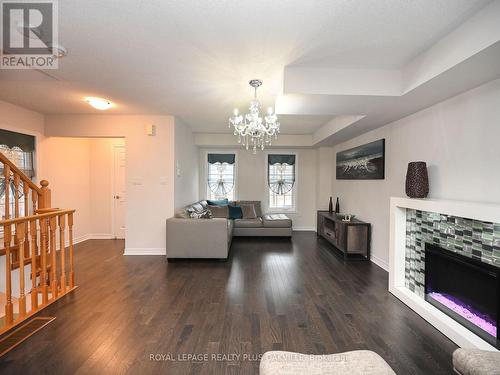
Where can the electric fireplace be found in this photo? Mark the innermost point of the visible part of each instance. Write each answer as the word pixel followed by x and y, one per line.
pixel 464 288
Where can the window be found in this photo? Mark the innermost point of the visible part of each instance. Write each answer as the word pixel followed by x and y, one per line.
pixel 221 176
pixel 18 148
pixel 281 181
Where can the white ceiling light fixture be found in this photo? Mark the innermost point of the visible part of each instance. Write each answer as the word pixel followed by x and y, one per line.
pixel 99 103
pixel 251 129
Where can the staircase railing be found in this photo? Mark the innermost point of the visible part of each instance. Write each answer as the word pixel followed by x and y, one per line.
pixel 37 245
pixel 42 248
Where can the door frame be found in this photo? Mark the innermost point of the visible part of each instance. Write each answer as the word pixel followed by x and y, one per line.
pixel 113 187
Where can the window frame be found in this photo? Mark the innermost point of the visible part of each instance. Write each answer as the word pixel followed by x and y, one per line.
pixel 205 171
pixel 293 209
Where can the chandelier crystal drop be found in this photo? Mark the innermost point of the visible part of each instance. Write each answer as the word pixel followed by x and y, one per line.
pixel 251 129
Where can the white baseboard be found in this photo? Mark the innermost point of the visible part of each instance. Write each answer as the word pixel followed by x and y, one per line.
pixel 79 239
pixel 379 262
pixel 304 229
pixel 101 236
pixel 145 251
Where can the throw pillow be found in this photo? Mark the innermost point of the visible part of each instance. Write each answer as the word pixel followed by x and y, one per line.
pixel 220 202
pixel 205 214
pixel 248 211
pixel 219 211
pixel 235 212
pixel 182 214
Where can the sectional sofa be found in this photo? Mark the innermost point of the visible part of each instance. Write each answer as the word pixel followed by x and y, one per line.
pixel 192 237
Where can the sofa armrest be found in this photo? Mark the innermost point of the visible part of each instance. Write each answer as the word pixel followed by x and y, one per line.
pixel 197 238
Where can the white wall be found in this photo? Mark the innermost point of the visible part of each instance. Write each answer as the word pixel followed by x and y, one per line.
pixel 251 183
pixel 459 140
pixel 66 166
pixel 186 166
pixel 149 170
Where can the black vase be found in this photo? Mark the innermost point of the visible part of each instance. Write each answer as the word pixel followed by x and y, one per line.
pixel 417 180
pixel 330 206
pixel 337 206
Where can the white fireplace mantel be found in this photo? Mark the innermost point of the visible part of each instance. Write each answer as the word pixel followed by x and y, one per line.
pixel 397 248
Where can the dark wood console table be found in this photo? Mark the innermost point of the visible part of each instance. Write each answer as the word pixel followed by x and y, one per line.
pixel 352 238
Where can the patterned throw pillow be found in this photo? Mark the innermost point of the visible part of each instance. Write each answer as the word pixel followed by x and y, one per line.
pixel 205 214
pixel 248 211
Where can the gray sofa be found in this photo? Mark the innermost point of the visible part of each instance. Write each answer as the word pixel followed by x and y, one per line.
pixel 211 238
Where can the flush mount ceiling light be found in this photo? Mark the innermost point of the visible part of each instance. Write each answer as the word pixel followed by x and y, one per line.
pixel 251 129
pixel 99 103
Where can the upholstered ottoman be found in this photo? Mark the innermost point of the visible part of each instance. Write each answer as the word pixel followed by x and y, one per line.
pixel 476 362
pixel 358 362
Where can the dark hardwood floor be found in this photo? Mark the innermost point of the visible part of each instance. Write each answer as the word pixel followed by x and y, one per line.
pixel 143 315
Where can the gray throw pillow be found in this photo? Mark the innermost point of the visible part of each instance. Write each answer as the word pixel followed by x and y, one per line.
pixel 248 211
pixel 219 211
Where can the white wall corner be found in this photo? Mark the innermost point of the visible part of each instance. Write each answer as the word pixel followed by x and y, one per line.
pixel 379 262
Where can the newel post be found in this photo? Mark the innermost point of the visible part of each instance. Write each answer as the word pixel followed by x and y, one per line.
pixel 45 198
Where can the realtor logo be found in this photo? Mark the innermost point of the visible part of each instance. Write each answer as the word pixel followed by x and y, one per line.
pixel 29 34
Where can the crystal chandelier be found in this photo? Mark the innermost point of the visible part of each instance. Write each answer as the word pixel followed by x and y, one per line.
pixel 251 129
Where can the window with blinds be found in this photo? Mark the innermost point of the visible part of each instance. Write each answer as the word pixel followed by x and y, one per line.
pixel 281 181
pixel 221 176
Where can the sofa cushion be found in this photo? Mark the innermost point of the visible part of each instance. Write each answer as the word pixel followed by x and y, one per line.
pixel 256 204
pixel 476 362
pixel 235 212
pixel 248 223
pixel 219 211
pixel 248 211
pixel 219 202
pixel 276 221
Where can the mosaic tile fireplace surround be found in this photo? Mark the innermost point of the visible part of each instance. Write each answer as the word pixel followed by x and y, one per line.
pixel 473 238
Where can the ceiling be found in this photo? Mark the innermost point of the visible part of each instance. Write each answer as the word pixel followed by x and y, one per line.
pixel 193 59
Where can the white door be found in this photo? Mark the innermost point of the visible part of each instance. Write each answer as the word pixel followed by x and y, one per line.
pixel 119 191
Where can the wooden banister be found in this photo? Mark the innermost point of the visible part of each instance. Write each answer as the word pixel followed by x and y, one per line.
pixel 47 258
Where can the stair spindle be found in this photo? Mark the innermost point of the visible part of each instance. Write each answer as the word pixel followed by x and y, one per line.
pixel 9 308
pixel 17 180
pixel 53 261
pixel 70 234
pixel 43 255
pixel 34 289
pixel 20 234
pixel 6 174
pixel 15 251
pixel 34 199
pixel 62 250
pixel 26 191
